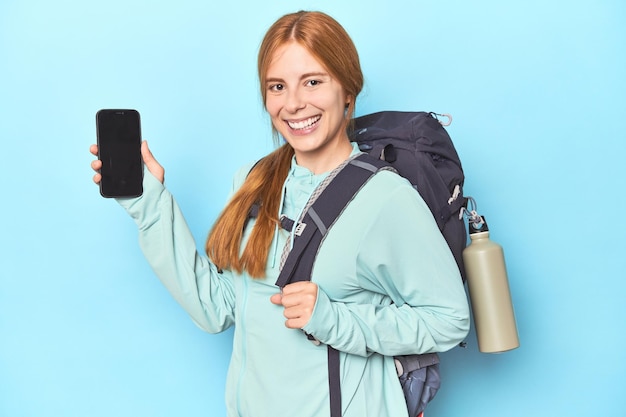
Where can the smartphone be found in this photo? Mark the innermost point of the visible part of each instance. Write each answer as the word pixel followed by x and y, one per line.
pixel 119 149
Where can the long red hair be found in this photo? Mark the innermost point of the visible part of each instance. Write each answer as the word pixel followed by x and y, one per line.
pixel 327 41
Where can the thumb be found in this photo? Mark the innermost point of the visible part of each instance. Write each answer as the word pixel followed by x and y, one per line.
pixel 277 299
pixel 151 163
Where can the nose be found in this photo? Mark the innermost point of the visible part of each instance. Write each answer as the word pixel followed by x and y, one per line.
pixel 295 100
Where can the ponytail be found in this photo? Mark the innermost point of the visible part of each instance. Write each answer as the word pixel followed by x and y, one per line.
pixel 263 186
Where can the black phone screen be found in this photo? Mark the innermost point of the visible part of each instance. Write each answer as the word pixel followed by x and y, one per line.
pixel 119 149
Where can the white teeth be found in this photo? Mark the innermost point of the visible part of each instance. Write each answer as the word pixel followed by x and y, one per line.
pixel 304 124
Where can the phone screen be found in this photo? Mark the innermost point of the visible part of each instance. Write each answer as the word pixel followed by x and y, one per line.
pixel 119 149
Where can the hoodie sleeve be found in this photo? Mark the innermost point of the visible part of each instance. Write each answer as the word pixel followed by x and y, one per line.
pixel 418 303
pixel 170 249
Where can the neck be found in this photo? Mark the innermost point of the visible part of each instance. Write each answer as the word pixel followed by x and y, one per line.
pixel 325 160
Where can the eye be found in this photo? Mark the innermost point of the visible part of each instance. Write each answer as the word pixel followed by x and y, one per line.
pixel 313 83
pixel 276 87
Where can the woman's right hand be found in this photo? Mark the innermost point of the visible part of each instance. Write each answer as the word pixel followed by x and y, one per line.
pixel 148 159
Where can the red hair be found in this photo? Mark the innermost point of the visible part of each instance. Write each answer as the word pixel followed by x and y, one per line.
pixel 331 45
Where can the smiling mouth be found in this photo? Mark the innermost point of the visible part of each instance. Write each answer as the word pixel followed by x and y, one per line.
pixel 304 124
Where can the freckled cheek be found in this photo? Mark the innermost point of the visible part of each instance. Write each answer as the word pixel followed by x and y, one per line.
pixel 329 102
pixel 273 110
pixel 273 106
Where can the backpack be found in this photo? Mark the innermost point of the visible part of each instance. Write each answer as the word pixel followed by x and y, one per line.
pixel 417 146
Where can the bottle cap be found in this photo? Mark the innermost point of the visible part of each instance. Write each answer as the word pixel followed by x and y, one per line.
pixel 478 226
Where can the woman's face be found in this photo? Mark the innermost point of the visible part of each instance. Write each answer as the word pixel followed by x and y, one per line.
pixel 307 107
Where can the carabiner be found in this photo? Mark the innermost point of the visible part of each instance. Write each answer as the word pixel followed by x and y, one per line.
pixel 446 115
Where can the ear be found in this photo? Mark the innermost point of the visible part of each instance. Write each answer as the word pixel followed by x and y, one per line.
pixel 348 102
pixel 347 112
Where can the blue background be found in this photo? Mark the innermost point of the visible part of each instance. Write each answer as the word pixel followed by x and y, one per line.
pixel 537 91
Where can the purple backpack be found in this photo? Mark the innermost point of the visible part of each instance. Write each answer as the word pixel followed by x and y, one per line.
pixel 417 146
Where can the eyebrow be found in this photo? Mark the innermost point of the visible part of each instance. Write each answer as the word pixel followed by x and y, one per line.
pixel 302 77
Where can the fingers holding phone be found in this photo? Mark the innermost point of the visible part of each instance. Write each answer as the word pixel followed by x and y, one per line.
pixel 151 163
pixel 121 153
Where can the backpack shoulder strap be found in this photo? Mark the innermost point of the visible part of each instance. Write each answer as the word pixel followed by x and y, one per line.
pixel 320 217
pixel 315 223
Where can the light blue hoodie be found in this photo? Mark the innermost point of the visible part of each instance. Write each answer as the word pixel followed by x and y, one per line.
pixel 388 285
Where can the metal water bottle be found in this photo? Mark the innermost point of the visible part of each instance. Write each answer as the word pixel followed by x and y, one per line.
pixel 489 291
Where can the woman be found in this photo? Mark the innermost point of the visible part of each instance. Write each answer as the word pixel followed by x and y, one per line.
pixel 384 283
